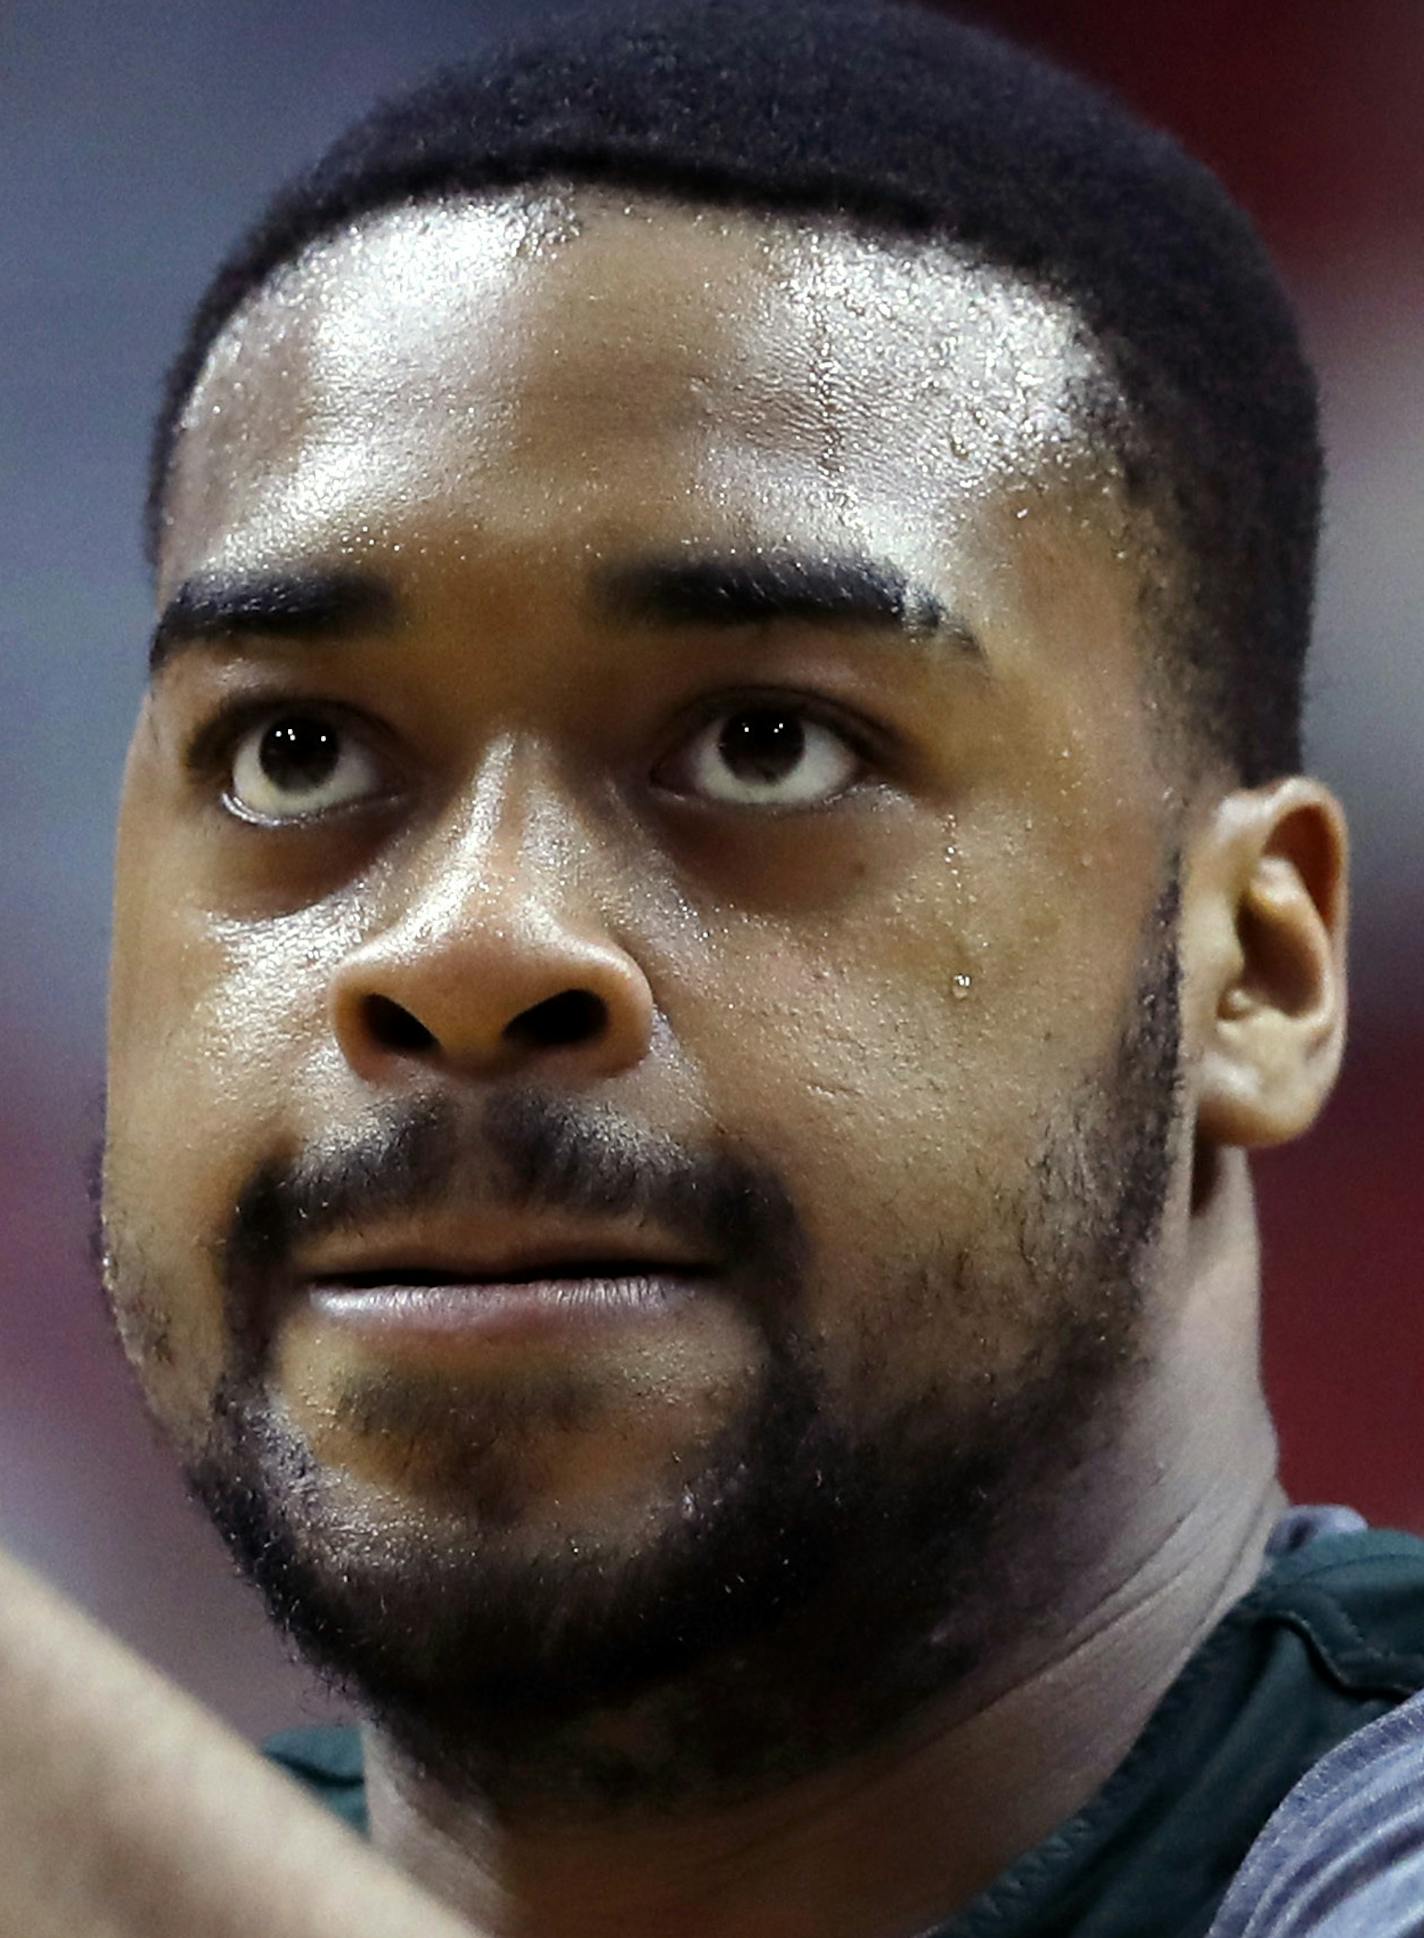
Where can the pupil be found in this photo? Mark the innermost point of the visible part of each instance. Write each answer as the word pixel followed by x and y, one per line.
pixel 298 754
pixel 762 746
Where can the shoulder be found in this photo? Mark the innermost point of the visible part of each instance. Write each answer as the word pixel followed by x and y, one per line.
pixel 1343 1856
pixel 1356 1599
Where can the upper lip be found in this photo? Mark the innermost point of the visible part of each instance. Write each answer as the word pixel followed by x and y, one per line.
pixel 494 1248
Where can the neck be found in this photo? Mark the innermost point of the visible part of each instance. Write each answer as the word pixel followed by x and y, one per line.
pixel 1169 1527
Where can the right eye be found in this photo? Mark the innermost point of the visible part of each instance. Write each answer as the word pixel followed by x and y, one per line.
pixel 293 766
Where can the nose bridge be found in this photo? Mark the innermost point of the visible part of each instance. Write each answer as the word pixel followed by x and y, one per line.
pixel 505 849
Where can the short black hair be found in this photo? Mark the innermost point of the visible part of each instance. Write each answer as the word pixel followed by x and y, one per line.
pixel 917 126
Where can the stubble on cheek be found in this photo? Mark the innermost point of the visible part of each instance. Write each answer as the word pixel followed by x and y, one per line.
pixel 198 1084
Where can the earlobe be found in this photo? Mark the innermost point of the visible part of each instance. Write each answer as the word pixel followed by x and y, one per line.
pixel 1264 950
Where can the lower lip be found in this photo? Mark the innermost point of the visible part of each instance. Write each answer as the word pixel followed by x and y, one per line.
pixel 496 1310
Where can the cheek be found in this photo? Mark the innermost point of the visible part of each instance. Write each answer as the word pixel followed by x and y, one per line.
pixel 937 1019
pixel 904 1069
pixel 217 1026
pixel 214 1033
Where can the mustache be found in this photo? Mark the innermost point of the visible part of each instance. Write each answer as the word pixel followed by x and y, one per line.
pixel 525 1150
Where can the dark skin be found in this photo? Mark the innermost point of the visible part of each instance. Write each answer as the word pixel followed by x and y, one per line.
pixel 438 490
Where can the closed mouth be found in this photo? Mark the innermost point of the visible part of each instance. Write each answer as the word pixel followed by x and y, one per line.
pixel 376 1278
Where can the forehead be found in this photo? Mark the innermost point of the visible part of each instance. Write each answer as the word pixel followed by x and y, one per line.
pixel 553 356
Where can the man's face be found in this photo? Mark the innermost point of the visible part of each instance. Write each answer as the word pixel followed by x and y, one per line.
pixel 649 791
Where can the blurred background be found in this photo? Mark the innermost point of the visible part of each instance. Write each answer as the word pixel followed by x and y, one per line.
pixel 136 138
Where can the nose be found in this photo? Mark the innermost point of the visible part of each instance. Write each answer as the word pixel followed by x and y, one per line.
pixel 489 970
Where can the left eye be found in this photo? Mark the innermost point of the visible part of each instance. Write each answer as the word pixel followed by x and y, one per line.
pixel 291 766
pixel 764 754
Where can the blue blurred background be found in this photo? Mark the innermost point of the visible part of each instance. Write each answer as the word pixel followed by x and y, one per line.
pixel 135 140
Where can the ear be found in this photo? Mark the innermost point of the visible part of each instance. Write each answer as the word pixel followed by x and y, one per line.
pixel 1263 935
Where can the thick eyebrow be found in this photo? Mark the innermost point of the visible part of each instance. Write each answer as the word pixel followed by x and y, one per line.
pixel 276 605
pixel 730 591
pixel 710 591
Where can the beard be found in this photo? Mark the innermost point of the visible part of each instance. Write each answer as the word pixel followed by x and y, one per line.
pixel 809 1584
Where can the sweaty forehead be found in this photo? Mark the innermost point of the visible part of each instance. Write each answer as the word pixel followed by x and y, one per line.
pixel 532 349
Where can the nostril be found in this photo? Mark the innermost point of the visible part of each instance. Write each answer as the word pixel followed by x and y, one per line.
pixel 393 1027
pixel 575 1016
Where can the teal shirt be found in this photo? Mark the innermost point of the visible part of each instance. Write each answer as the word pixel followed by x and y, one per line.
pixel 1331 1637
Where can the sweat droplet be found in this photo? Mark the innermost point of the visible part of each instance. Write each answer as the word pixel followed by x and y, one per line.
pixel 960 987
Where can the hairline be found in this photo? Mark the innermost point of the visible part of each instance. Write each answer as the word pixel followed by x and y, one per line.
pixel 1113 422
pixel 1085 402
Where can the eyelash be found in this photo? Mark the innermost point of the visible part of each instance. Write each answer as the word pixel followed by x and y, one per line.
pixel 868 742
pixel 211 746
pixel 208 753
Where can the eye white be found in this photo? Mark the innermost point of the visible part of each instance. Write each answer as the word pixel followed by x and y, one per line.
pixel 767 755
pixel 290 766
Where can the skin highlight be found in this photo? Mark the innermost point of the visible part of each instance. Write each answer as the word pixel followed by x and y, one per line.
pixel 893 1013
